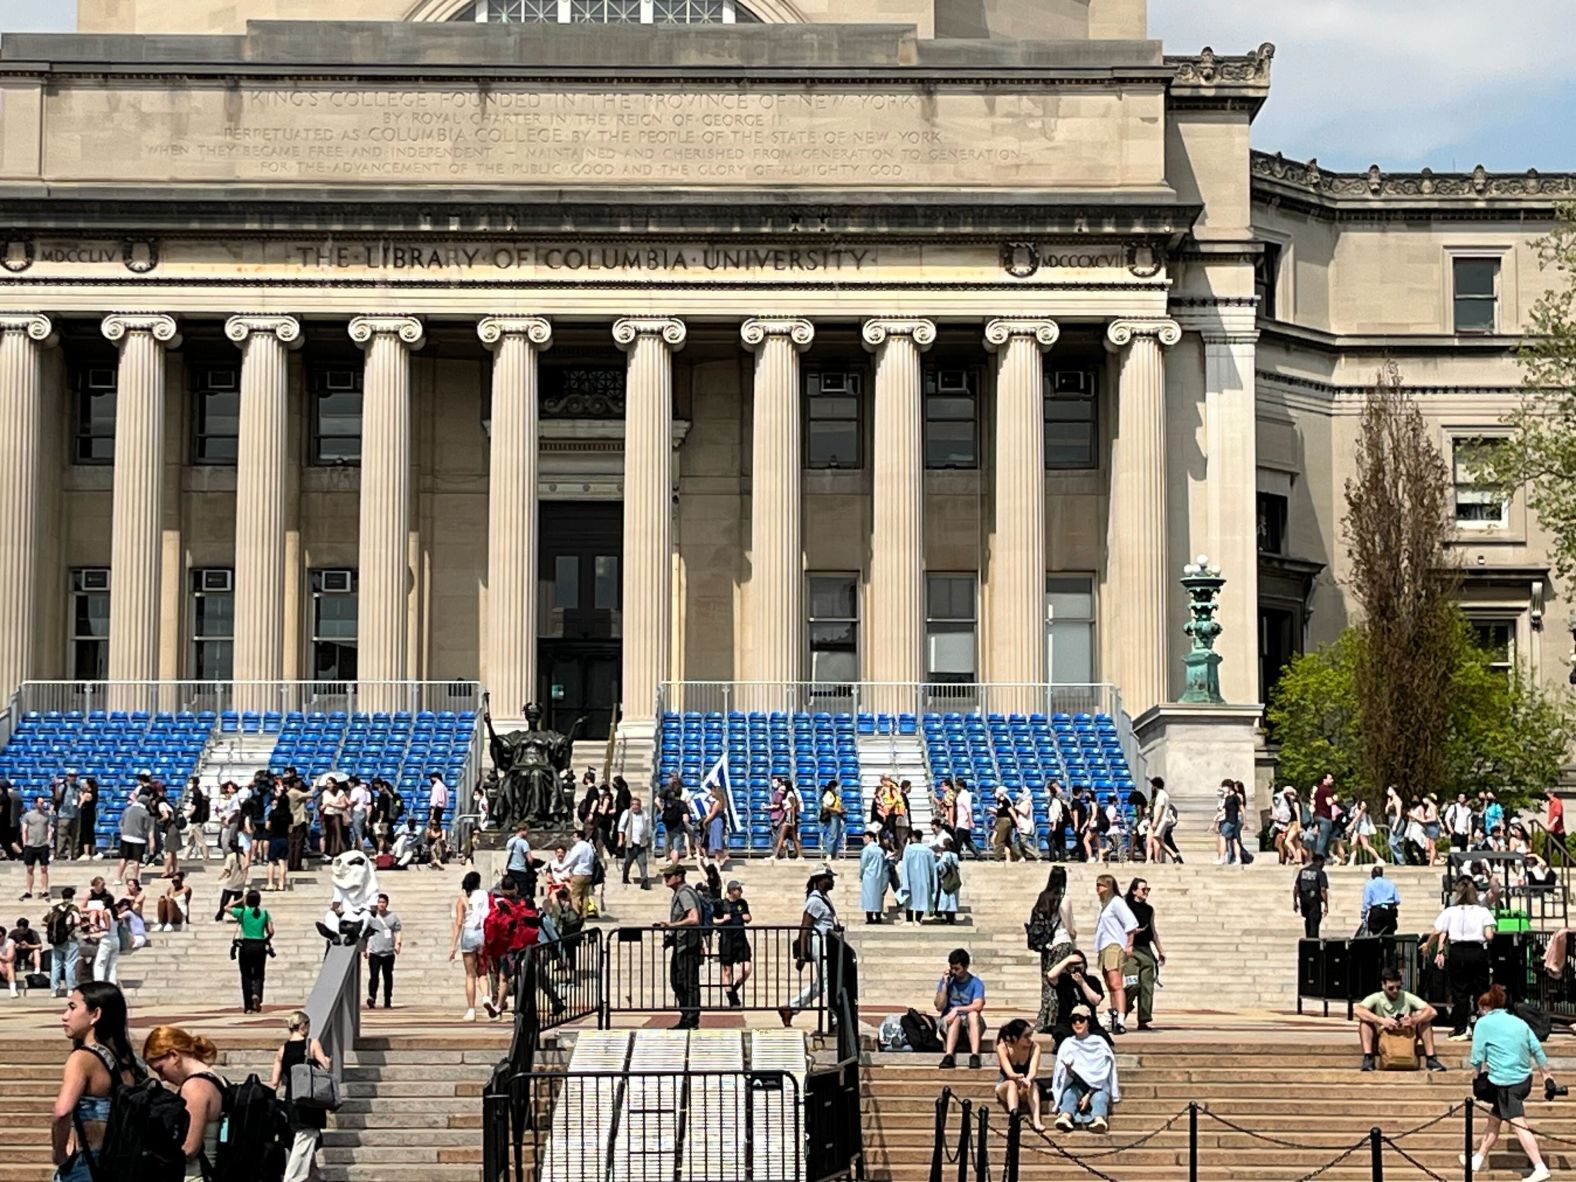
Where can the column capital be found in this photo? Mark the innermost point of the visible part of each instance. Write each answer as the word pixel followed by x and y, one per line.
pixel 1120 333
pixel 1000 331
pixel 407 328
pixel 286 328
pixel 159 326
pixel 35 324
pixel 876 331
pixel 630 329
pixel 537 330
pixel 796 328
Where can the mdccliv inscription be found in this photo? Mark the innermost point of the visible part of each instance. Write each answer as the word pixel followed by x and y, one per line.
pixel 584 136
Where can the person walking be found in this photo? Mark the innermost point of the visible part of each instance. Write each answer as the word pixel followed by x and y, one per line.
pixel 1310 896
pixel 185 1062
pixel 470 917
pixel 100 1063
pixel 1144 963
pixel 1465 928
pixel 1381 904
pixel 136 831
pixel 875 867
pixel 1054 935
pixel 684 938
pixel 963 820
pixel 1504 1051
pixel 251 953
pixel 816 923
pixel 634 834
pixel 783 811
pixel 520 865
pixel 1113 943
pixel 306 1123
pixel 831 820
pixel 733 942
pixel 385 943
pixel 949 880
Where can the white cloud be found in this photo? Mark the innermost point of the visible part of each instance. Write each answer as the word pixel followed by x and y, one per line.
pixel 1402 82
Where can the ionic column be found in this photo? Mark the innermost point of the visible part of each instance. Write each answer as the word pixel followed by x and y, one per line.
pixel 260 503
pixel 136 517
pixel 23 339
pixel 382 626
pixel 648 516
pixel 512 508
pixel 1138 572
pixel 1017 562
pixel 897 554
pixel 776 652
pixel 1231 499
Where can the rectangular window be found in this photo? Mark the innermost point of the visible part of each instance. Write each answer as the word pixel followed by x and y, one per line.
pixel 334 611
pixel 951 628
pixel 606 588
pixel 1071 424
pixel 833 402
pixel 1478 505
pixel 1497 638
pixel 834 629
pixel 89 639
pixel 1266 276
pixel 335 398
pixel 213 624
pixel 1272 510
pixel 1476 294
pixel 216 415
pixel 566 582
pixel 1069 611
pixel 93 432
pixel 951 396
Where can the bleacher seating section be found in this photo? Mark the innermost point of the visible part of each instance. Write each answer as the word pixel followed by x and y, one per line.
pixel 810 749
pixel 1077 750
pixel 110 746
pixel 113 747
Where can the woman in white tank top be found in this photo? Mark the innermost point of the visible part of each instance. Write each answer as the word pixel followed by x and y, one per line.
pixel 470 916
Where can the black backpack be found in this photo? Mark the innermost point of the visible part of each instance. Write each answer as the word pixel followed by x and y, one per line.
pixel 921 1032
pixel 1536 1018
pixel 145 1136
pixel 60 923
pixel 254 1142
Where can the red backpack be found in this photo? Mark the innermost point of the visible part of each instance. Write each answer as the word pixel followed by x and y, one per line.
pixel 508 930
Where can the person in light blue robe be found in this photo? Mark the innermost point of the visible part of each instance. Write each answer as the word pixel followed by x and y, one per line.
pixel 873 864
pixel 946 904
pixel 919 878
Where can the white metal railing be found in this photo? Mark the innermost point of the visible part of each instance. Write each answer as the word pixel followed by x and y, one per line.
pixel 889 697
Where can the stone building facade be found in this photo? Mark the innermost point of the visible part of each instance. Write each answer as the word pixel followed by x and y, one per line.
pixel 583 345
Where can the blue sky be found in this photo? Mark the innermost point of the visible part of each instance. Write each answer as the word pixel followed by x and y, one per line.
pixel 1402 83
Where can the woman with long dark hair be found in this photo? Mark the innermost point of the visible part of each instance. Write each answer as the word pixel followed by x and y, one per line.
pixel 251 951
pixel 1051 927
pixel 87 819
pixel 101 1057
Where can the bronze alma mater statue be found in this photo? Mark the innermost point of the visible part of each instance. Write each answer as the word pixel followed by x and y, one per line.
pixel 531 765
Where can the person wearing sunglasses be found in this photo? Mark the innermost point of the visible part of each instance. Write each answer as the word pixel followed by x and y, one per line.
pixel 1084 1083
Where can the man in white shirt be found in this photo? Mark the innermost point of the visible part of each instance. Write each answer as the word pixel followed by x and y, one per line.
pixel 437 795
pixel 578 864
pixel 963 821
pixel 1458 822
pixel 634 829
pixel 1113 943
pixel 360 806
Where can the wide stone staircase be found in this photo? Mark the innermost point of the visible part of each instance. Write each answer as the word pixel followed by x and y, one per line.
pixel 1227 1038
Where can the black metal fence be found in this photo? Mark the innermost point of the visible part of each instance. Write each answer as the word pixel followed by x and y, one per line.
pixel 1346 971
pixel 541 1125
pixel 753 968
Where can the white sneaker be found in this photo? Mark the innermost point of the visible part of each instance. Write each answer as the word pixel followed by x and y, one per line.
pixel 1538 1175
pixel 13 994
pixel 469 1016
pixel 1477 1161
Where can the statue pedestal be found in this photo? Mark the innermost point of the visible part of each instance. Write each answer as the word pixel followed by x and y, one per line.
pixel 1193 747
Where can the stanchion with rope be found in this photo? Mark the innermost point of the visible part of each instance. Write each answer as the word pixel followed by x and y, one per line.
pixel 1466 1157
pixel 1192 1142
pixel 982 1147
pixel 1009 1171
pixel 1376 1153
pixel 938 1149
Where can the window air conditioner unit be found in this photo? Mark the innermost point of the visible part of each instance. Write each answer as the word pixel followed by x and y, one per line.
pixel 216 579
pixel 95 580
pixel 338 582
pixel 952 381
pixel 1073 381
pixel 834 383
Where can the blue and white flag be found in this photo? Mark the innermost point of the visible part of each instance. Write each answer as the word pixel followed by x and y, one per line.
pixel 718 776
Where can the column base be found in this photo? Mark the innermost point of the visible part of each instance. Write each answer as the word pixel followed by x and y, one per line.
pixel 1193 747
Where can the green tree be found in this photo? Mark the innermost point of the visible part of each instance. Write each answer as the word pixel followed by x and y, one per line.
pixel 1539 456
pixel 1406 584
pixel 1313 713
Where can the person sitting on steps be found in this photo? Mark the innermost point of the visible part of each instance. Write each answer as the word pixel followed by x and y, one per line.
pixel 960 1000
pixel 1395 1010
